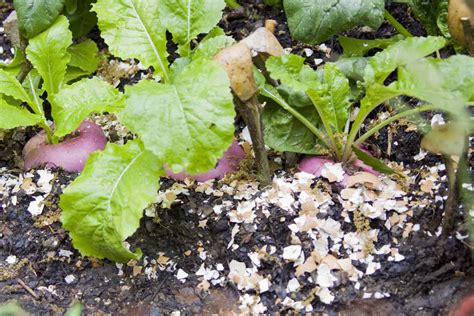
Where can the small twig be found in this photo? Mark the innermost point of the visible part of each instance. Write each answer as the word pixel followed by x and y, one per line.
pixel 28 289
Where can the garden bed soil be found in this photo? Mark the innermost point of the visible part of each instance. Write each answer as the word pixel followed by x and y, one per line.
pixel 196 233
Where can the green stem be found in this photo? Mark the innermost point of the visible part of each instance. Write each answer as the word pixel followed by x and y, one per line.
pixel 298 116
pixel 233 4
pixel 400 28
pixel 381 125
pixel 38 109
pixel 363 113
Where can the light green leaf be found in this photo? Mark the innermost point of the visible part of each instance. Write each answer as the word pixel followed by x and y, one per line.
pixel 84 56
pixel 331 99
pixel 313 21
pixel 186 19
pixel 12 116
pixel 352 67
pixel 103 206
pixel 189 123
pixel 11 87
pixel 212 46
pixel 445 83
pixel 291 71
pixel 75 102
pixel 74 73
pixel 47 52
pixel 35 16
pixel 132 29
pixel 355 47
pixel 399 54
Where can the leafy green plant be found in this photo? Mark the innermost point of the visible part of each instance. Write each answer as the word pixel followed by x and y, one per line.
pixel 184 119
pixel 312 109
pixel 56 62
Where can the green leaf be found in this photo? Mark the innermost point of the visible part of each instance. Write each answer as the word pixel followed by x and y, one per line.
pixel 11 87
pixel 433 14
pixel 186 19
pixel 283 132
pixel 75 102
pixel 103 206
pixel 132 29
pixel 12 116
pixel 84 56
pixel 47 52
pixel 354 47
pixel 291 71
pixel 81 19
pixel 445 83
pixel 373 162
pixel 314 21
pixel 189 123
pixel 35 16
pixel 404 52
pixel 331 99
pixel 212 46
pixel 352 67
pixel 448 139
pixel 74 73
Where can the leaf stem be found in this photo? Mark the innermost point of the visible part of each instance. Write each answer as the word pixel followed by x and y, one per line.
pixel 299 117
pixel 384 123
pixel 400 28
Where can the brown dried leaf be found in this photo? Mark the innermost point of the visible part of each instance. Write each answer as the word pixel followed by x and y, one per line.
pixel 237 60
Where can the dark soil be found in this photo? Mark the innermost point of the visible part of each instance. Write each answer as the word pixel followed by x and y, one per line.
pixel 434 276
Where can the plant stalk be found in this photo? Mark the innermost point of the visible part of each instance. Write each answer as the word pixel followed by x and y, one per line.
pixel 398 116
pixel 400 28
pixel 251 111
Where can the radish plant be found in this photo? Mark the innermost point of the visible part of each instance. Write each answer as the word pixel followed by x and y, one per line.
pixel 183 119
pixel 309 113
pixel 68 142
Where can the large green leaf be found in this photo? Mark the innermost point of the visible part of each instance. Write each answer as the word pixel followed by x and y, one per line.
pixel 355 47
pixel 132 29
pixel 331 99
pixel 399 54
pixel 12 116
pixel 189 123
pixel 186 19
pixel 103 206
pixel 445 83
pixel 291 71
pixel 35 16
pixel 313 21
pixel 75 102
pixel 84 55
pixel 47 52
pixel 11 87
